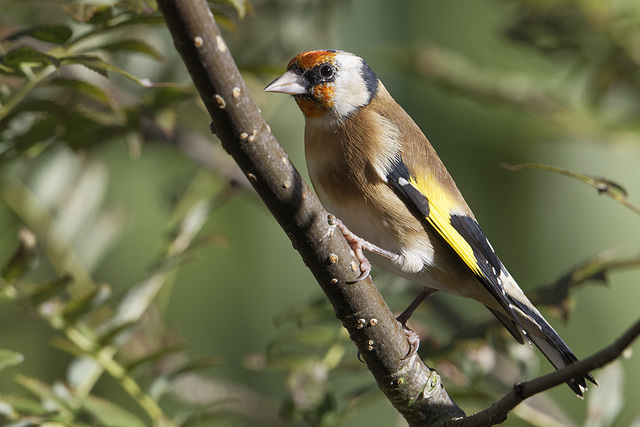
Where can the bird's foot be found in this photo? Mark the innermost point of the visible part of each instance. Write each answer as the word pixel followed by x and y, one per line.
pixel 414 341
pixel 358 246
pixel 412 337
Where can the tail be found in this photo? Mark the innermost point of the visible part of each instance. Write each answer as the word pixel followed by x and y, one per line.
pixel 540 332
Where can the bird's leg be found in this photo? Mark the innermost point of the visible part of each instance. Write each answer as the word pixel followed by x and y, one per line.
pixel 358 245
pixel 404 317
pixel 412 337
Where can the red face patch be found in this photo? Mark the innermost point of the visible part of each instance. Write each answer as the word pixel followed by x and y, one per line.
pixel 308 60
pixel 321 99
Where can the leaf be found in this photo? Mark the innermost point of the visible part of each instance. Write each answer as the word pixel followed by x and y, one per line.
pixel 103 68
pixel 82 372
pixel 24 259
pixel 44 392
pixel 83 87
pixel 109 414
pixel 604 186
pixel 81 12
pixel 115 332
pixel 101 14
pixel 156 355
pixel 170 96
pixel 606 402
pixel 556 295
pixel 57 34
pixel 131 308
pixel 9 358
pixel 226 22
pixel 19 56
pixel 92 62
pixel 198 364
pixel 80 306
pixel 150 19
pixel 131 45
pixel 241 6
pixel 67 346
pixel 37 105
pixel 43 131
pixel 45 291
pixel 21 406
pixel 82 130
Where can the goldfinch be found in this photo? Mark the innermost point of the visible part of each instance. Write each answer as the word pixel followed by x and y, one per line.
pixel 372 167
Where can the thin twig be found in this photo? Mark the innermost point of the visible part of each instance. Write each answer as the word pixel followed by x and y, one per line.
pixel 604 186
pixel 497 413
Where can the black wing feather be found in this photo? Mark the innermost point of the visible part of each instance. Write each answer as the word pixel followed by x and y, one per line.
pixel 487 261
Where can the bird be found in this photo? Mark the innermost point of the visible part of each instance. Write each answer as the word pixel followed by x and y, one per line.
pixel 373 168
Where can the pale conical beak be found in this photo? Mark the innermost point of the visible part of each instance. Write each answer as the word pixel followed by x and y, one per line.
pixel 290 83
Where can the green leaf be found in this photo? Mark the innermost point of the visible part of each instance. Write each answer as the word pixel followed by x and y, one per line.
pixel 21 406
pixel 83 87
pixel 24 259
pixel 170 97
pixel 131 45
pixel 43 391
pixel 101 14
pixel 225 22
pixel 92 62
pixel 15 58
pixel 67 346
pixel 4 69
pixel 607 401
pixel 151 19
pixel 80 306
pixel 82 130
pixel 557 294
pixel 109 414
pixel 113 332
pixel 9 358
pixel 241 6
pixel 131 308
pixel 36 106
pixel 103 68
pixel 81 12
pixel 156 355
pixel 45 291
pixel 42 131
pixel 57 34
pixel 198 364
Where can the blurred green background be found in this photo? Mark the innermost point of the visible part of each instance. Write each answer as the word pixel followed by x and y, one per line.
pixel 488 81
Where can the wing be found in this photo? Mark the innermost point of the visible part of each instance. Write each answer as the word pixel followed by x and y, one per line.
pixel 457 227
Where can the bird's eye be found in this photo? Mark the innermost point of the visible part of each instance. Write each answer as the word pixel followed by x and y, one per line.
pixel 326 71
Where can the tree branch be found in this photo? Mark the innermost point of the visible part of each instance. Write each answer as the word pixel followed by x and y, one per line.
pixel 497 413
pixel 414 390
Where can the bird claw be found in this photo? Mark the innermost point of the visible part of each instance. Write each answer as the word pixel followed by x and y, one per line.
pixel 358 246
pixel 412 337
pixel 365 265
pixel 414 342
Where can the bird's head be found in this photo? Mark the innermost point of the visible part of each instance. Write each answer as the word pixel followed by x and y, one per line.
pixel 327 82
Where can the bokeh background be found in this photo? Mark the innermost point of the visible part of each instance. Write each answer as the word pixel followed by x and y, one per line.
pixel 488 81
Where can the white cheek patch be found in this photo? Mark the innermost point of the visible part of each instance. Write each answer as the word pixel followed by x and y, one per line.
pixel 350 88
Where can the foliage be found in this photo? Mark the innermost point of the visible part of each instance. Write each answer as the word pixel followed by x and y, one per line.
pixel 68 88
pixel 58 93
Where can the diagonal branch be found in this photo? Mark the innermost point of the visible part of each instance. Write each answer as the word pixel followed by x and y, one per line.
pixel 497 413
pixel 414 390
